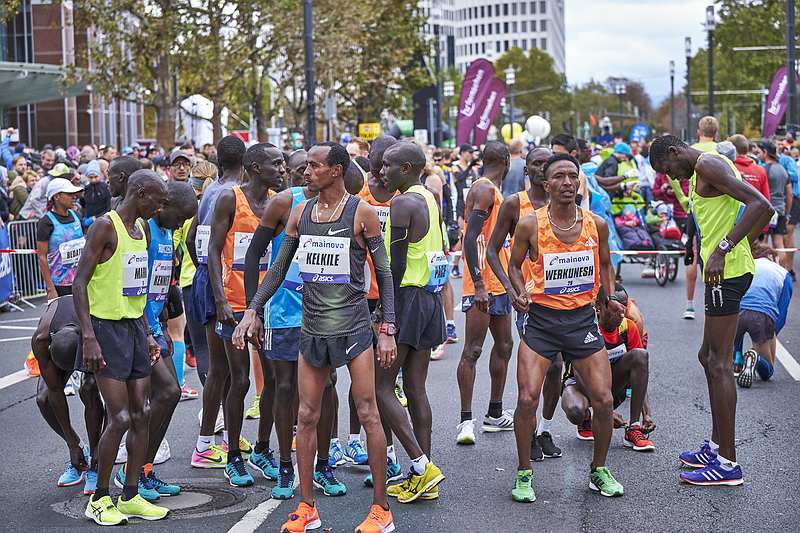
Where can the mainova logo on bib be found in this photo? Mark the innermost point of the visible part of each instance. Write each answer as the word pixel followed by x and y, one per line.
pixel 569 272
pixel 324 259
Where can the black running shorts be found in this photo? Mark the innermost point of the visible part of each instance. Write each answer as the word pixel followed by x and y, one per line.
pixel 759 326
pixel 572 332
pixel 281 344
pixel 174 303
pixel 334 351
pixel 420 318
pixel 123 344
pixel 724 299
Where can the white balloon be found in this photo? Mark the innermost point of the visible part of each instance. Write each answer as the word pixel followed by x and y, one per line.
pixel 537 126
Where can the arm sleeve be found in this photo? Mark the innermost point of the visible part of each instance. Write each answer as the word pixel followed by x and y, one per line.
pixel 261 239
pixel 277 273
pixel 384 277
pixel 399 254
pixel 477 218
pixel 783 303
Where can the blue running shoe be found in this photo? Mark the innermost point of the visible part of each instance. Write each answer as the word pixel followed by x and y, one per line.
pixel 146 489
pixel 284 490
pixel 355 452
pixel 705 455
pixel 237 473
pixel 91 482
pixel 714 474
pixel 336 456
pixel 162 487
pixel 764 369
pixel 452 336
pixel 393 474
pixel 265 463
pixel 71 476
pixel 326 481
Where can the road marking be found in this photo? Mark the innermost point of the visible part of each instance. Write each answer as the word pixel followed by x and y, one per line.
pixel 19 320
pixel 255 517
pixel 13 339
pixel 29 328
pixel 788 362
pixel 12 379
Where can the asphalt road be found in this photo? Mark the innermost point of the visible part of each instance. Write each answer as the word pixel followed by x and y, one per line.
pixel 475 496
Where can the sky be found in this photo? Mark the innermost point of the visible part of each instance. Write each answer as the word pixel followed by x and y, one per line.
pixel 634 39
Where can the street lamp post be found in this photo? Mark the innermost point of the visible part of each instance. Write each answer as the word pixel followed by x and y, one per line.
pixel 437 111
pixel 688 49
pixel 511 77
pixel 448 89
pixel 308 36
pixel 791 75
pixel 620 90
pixel 711 24
pixel 672 97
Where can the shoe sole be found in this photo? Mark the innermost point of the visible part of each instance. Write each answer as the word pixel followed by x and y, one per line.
pixel 320 487
pixel 537 459
pixel 688 317
pixel 281 496
pixel 91 517
pixel 451 341
pixel 606 494
pixel 725 483
pixel 316 524
pixel 553 456
pixel 78 482
pixel 232 484
pixel 585 438
pixel 148 518
pixel 207 466
pixel 523 500
pixel 635 448
pixel 496 429
pixel 428 486
pixel 691 465
pixel 384 529
pixel 260 470
pixel 745 378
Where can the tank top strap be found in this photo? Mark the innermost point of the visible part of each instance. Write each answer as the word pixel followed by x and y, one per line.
pixel 350 207
pixel 525 204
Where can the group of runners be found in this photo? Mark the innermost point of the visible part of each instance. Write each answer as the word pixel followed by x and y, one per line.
pixel 339 257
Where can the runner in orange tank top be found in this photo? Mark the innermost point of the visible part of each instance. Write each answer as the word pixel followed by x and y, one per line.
pixel 569 250
pixel 485 302
pixel 236 217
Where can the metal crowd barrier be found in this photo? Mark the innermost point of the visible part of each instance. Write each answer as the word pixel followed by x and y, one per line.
pixel 28 281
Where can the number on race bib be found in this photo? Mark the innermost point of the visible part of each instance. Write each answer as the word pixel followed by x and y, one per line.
pixel 324 259
pixel 134 273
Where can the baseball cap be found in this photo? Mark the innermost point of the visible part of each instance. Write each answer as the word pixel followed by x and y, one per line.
pixel 59 170
pixel 622 148
pixel 466 148
pixel 177 154
pixel 58 185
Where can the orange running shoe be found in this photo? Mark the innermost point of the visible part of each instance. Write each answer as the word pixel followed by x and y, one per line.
pixel 377 521
pixel 305 517
pixel 32 365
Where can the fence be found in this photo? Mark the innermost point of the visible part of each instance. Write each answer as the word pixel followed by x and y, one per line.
pixel 28 281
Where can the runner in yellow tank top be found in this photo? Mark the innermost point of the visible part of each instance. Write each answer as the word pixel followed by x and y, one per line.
pixel 484 301
pixel 110 291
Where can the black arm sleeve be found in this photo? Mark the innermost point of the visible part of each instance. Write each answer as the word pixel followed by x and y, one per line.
pixel 477 218
pixel 277 273
pixel 384 277
pixel 399 253
pixel 258 246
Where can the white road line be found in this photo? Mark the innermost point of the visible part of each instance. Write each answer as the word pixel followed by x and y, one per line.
pixel 12 379
pixel 14 339
pixel 31 319
pixel 255 517
pixel 29 328
pixel 788 362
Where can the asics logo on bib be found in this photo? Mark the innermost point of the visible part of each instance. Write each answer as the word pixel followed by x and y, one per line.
pixel 321 278
pixel 331 231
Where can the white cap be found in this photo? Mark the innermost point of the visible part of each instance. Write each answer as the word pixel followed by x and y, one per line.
pixel 58 185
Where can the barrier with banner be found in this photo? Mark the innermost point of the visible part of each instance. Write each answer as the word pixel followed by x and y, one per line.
pixel 6 269
pixel 27 278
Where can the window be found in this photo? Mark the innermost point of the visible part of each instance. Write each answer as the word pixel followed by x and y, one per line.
pixel 483 48
pixel 505 9
pixel 497 27
pixel 543 7
pixel 523 7
pixel 482 11
pixel 533 44
pixel 497 46
pixel 506 46
pixel 514 27
pixel 544 43
pixel 533 8
pixel 490 28
pixel 533 25
pixel 515 43
pixel 514 8
pixel 524 26
pixel 505 27
pixel 525 45
pixel 542 25
pixel 497 10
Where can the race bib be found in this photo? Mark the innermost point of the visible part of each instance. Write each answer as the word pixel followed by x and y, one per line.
pixel 569 272
pixel 134 273
pixel 324 259
pixel 241 242
pixel 383 216
pixel 616 352
pixel 159 280
pixel 437 268
pixel 71 251
pixel 201 241
pixel 292 281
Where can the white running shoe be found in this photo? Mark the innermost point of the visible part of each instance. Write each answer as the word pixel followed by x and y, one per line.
pixel 122 453
pixel 219 425
pixel 163 454
pixel 745 377
pixel 505 422
pixel 466 432
pixel 689 313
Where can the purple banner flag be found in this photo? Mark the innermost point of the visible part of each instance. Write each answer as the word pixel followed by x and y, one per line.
pixel 488 110
pixel 473 90
pixel 776 102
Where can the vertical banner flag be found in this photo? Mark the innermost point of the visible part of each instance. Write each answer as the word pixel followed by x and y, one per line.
pixel 776 102
pixel 488 109
pixel 473 90
pixel 6 273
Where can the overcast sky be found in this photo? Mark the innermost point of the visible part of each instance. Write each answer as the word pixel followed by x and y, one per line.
pixel 632 38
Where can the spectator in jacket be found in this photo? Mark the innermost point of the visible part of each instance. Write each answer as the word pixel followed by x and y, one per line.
pixel 752 173
pixel 96 200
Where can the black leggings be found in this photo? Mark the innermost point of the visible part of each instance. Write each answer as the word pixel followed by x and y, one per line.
pixel 197 332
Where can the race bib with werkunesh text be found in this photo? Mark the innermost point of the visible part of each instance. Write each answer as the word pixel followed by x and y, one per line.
pixel 71 251
pixel 569 272
pixel 134 273
pixel 324 259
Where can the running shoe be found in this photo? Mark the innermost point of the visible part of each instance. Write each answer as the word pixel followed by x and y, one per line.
pixel 602 481
pixel 378 520
pixel 294 443
pixel 689 313
pixel 122 452
pixel 284 490
pixel 536 450
pixel 396 490
pixel 466 432
pixel 549 449
pixel 254 411
pixel 745 378
pixel 190 359
pixel 188 393
pixel 91 481
pixel 705 455
pixel 138 507
pixel 162 487
pixel 327 482
pixel 237 473
pixel 146 488
pixel 213 457
pixel 219 423
pixel 437 354
pixel 393 473
pixel 336 456
pixel 452 336
pixel 714 474
pixel 634 438
pixel 103 512
pixel 401 395
pixel 265 463
pixel 305 517
pixel 355 452
pixel 163 453
pixel 504 422
pixel 32 365
pixel 523 487
pixel 585 429
pixel 69 389
pixel 764 369
pixel 245 448
pixel 738 363
pixel 421 483
pixel 71 476
pixel 432 494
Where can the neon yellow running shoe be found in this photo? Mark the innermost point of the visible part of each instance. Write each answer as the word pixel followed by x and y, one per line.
pixel 432 494
pixel 420 484
pixel 138 507
pixel 401 395
pixel 245 448
pixel 395 490
pixel 254 411
pixel 103 512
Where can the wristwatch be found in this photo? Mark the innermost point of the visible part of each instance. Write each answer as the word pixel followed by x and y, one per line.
pixel 388 328
pixel 725 245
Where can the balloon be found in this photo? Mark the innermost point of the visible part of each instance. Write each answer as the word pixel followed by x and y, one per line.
pixel 505 131
pixel 537 126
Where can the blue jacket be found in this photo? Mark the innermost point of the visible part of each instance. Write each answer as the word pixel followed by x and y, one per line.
pixel 770 292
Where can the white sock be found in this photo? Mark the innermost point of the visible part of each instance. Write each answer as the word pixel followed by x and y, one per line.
pixel 225 435
pixel 335 441
pixel 544 426
pixel 714 446
pixel 204 442
pixel 727 464
pixel 418 464
pixel 354 437
pixel 689 303
pixel 390 453
pixel 451 322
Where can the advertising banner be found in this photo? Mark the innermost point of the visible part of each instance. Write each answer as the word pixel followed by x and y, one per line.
pixel 477 78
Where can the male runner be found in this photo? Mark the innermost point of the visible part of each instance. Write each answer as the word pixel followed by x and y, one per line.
pixel 296 167
pixel 717 193
pixel 513 209
pixel 484 300
pixel 110 292
pixel 235 219
pixel 419 271
pixel 333 232
pixel 569 250
pixel 54 344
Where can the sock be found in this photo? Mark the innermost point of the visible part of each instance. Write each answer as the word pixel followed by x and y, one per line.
pixel 738 358
pixel 286 465
pixel 129 492
pixel 354 437
pixel 466 415
pixel 544 425
pixel 764 368
pixel 225 436
pixel 714 446
pixel 178 356
pixel 496 409
pixel 451 323
pixel 390 453
pixel 204 442
pixel 261 447
pixel 147 468
pixel 418 464
pixel 335 441
pixel 234 454
pixel 726 464
pixel 321 464
pixel 689 303
pixel 99 493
